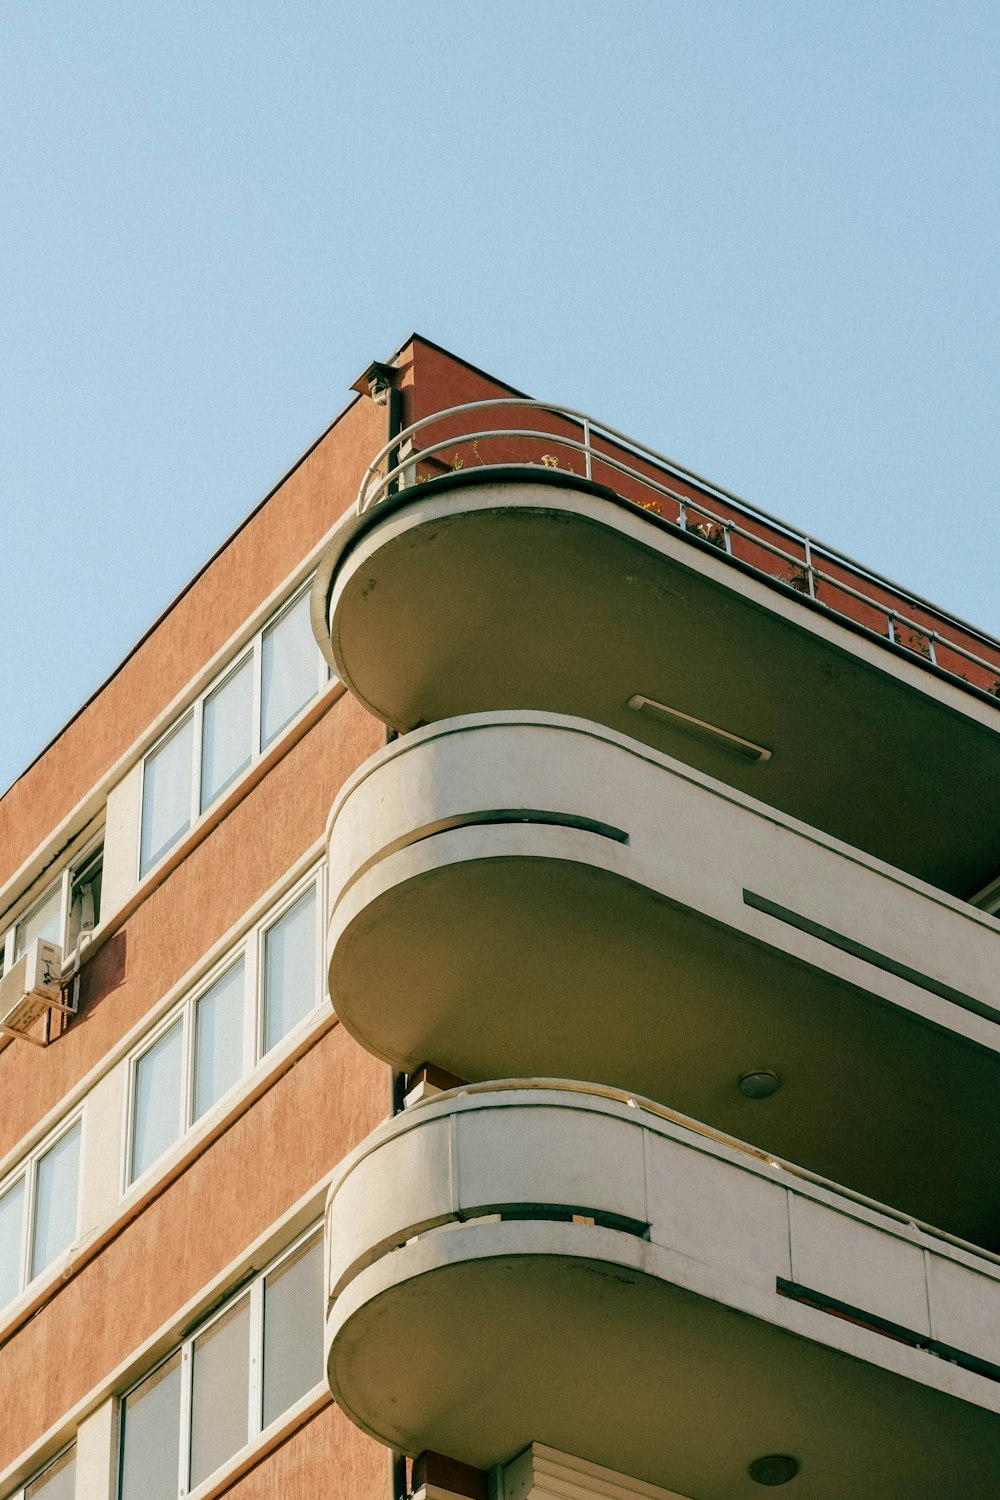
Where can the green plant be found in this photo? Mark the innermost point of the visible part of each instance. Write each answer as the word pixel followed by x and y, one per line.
pixel 916 640
pixel 714 534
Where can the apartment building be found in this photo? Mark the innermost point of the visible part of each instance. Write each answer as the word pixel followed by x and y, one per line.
pixel 500 1001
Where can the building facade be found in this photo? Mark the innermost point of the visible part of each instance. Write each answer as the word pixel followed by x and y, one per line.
pixel 500 1000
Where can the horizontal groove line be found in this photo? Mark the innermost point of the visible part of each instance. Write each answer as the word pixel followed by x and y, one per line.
pixel 516 815
pixel 870 956
pixel 500 816
pixel 795 1292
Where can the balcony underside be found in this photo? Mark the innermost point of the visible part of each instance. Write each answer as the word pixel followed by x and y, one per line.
pixel 524 894
pixel 516 966
pixel 477 1359
pixel 486 596
pixel 468 1319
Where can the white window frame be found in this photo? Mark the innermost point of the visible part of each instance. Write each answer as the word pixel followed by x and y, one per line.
pixel 64 883
pixel 27 1168
pixel 249 949
pixel 41 1473
pixel 253 651
pixel 254 1289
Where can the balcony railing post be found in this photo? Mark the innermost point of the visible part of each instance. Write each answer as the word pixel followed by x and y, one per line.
pixel 587 466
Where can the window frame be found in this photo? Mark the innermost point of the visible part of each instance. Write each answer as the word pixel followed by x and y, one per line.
pixel 64 884
pixel 50 1463
pixel 252 651
pixel 27 1170
pixel 253 1288
pixel 250 950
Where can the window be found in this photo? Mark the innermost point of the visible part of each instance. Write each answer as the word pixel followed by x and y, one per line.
pixel 227 729
pixel 57 1481
pixel 260 992
pixel 38 1212
pixel 235 1376
pixel 68 908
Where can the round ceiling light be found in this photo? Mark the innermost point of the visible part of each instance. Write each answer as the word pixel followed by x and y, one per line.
pixel 758 1083
pixel 775 1468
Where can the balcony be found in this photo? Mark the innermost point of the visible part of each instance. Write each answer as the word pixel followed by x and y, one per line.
pixel 642 598
pixel 521 1263
pixel 525 894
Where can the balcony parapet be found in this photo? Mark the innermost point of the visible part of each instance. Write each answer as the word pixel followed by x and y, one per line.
pixel 526 893
pixel 511 586
pixel 630 1281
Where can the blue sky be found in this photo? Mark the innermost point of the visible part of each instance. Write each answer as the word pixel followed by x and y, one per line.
pixel 760 235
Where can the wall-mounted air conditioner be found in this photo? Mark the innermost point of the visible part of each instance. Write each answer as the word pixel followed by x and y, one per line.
pixel 30 989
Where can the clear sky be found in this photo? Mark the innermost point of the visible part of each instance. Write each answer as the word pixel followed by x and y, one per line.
pixel 760 235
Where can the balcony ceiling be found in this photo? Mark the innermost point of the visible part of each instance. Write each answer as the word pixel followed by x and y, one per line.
pixel 467 1317
pixel 512 966
pixel 470 595
pixel 477 1358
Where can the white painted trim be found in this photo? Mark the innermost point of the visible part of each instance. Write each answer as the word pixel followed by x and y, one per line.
pixel 278 1237
pixel 541 1473
pixel 91 806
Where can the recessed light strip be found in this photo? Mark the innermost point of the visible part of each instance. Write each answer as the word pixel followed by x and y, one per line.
pixel 721 738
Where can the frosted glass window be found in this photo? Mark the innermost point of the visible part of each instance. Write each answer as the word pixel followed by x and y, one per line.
pixel 43 921
pixel 151 1436
pixel 220 1392
pixel 166 795
pixel 218 1039
pixel 56 1183
pixel 58 1482
pixel 227 733
pixel 290 669
pixel 293 1330
pixel 11 1224
pixel 156 1111
pixel 290 969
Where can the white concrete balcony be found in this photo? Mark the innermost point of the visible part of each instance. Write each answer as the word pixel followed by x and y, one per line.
pixel 524 894
pixel 494 589
pixel 521 1263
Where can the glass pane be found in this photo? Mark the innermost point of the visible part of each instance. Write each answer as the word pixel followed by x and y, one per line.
pixel 151 1435
pixel 220 1391
pixel 290 969
pixel 290 669
pixel 166 795
pixel 11 1209
pixel 218 1039
pixel 156 1111
pixel 293 1330
pixel 57 1483
pixel 43 921
pixel 226 733
pixel 56 1184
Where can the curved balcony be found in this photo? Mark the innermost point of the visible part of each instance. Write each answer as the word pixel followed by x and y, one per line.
pixel 526 894
pixel 517 1264
pixel 640 597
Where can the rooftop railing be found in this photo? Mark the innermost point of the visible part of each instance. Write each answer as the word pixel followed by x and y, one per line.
pixel 688 502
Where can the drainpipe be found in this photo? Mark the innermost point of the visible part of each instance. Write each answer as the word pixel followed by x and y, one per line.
pixel 397 1475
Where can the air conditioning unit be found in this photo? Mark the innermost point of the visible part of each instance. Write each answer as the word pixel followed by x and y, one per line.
pixel 31 988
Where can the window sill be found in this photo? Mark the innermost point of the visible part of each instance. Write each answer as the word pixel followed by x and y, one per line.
pixel 161 1177
pixel 272 1438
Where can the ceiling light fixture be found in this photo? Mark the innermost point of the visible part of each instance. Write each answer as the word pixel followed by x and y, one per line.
pixel 759 1083
pixel 775 1468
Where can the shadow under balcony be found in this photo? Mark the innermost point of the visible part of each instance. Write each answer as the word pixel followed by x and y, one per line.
pixel 524 894
pixel 536 1263
pixel 486 590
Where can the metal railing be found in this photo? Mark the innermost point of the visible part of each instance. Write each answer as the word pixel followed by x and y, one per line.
pixel 803 564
